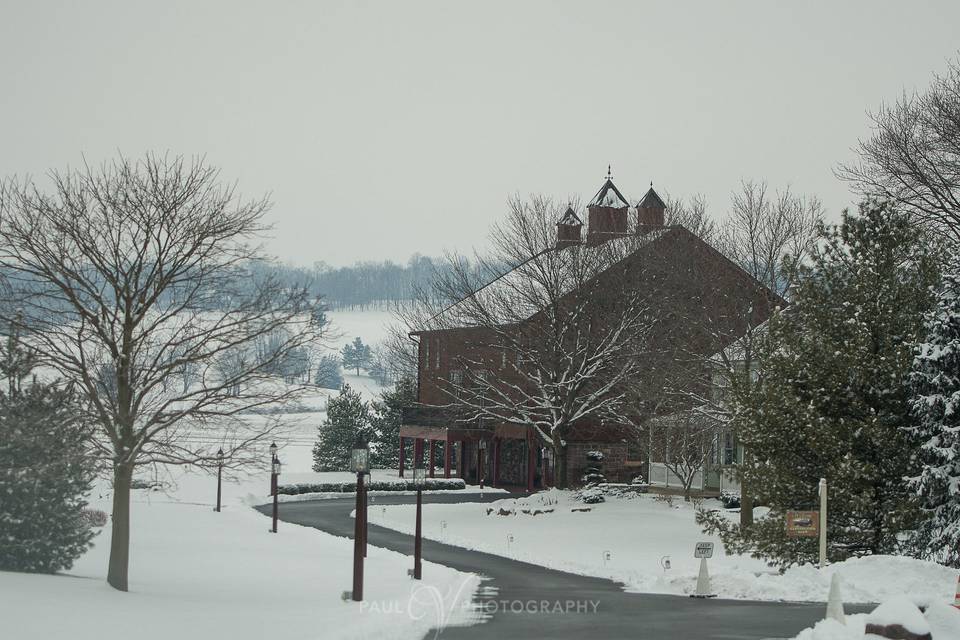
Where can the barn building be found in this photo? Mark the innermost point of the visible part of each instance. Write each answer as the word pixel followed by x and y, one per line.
pixel 710 299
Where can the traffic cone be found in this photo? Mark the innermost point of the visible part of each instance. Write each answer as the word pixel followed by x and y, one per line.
pixel 956 598
pixel 835 602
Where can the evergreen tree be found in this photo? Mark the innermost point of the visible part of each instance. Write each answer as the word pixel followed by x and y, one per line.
pixel 935 382
pixel 328 373
pixel 45 471
pixel 386 421
pixel 356 355
pixel 832 395
pixel 348 417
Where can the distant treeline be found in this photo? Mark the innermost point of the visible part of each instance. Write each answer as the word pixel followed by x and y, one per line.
pixel 364 285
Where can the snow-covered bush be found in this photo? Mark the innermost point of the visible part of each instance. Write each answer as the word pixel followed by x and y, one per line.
pixel 730 499
pixel 94 517
pixel 596 456
pixel 590 495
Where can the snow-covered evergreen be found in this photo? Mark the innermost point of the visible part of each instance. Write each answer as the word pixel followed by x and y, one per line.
pixel 833 392
pixel 935 382
pixel 386 420
pixel 329 375
pixel 45 470
pixel 348 417
pixel 356 355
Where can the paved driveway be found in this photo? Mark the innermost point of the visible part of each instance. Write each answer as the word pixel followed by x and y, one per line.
pixel 605 610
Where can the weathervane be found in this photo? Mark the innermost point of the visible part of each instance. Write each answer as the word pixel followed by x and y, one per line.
pixel 609 174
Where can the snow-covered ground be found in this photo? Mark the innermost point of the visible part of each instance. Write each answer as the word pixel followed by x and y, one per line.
pixel 197 573
pixel 369 325
pixel 630 539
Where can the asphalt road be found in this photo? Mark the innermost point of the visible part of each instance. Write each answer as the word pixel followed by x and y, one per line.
pixel 603 609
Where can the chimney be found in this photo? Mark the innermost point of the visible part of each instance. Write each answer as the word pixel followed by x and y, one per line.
pixel 607 213
pixel 650 211
pixel 569 229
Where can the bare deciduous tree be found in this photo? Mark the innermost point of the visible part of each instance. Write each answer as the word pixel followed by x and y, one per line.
pixel 761 234
pixel 686 439
pixel 553 342
pixel 126 276
pixel 913 155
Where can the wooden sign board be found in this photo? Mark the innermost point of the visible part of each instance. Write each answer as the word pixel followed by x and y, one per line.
pixel 703 550
pixel 803 524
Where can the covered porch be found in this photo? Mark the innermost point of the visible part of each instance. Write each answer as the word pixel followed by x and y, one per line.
pixel 503 456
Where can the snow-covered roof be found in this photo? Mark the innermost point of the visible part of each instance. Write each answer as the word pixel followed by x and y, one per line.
pixel 651 199
pixel 570 218
pixel 521 292
pixel 609 196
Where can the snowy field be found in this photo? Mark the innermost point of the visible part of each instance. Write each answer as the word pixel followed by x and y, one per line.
pixel 630 539
pixel 196 573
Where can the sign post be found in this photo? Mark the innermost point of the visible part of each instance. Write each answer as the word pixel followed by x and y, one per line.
pixel 823 522
pixel 703 551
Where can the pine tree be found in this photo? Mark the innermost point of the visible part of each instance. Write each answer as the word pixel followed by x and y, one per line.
pixel 328 373
pixel 387 419
pixel 832 395
pixel 935 382
pixel 348 418
pixel 45 471
pixel 356 355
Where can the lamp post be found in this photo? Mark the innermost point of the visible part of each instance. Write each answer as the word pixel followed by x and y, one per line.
pixel 275 468
pixel 219 476
pixel 481 448
pixel 273 457
pixel 359 463
pixel 419 480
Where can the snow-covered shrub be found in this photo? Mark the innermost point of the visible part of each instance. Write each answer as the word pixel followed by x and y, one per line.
pixel 596 456
pixel 590 495
pixel 94 517
pixel 730 499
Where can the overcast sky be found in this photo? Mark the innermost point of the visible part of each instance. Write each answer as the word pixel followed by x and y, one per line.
pixel 387 128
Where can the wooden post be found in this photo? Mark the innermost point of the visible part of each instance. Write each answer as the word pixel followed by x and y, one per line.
pixel 401 456
pixel 823 522
pixel 433 454
pixel 496 462
pixel 446 458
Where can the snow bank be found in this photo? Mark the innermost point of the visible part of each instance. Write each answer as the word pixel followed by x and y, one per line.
pixel 941 620
pixel 630 539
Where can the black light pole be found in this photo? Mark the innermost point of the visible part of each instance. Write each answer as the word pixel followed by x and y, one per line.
pixel 364 503
pixel 219 476
pixel 276 491
pixel 360 463
pixel 419 479
pixel 273 479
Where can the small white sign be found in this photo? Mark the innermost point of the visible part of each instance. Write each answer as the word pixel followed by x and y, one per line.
pixel 703 550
